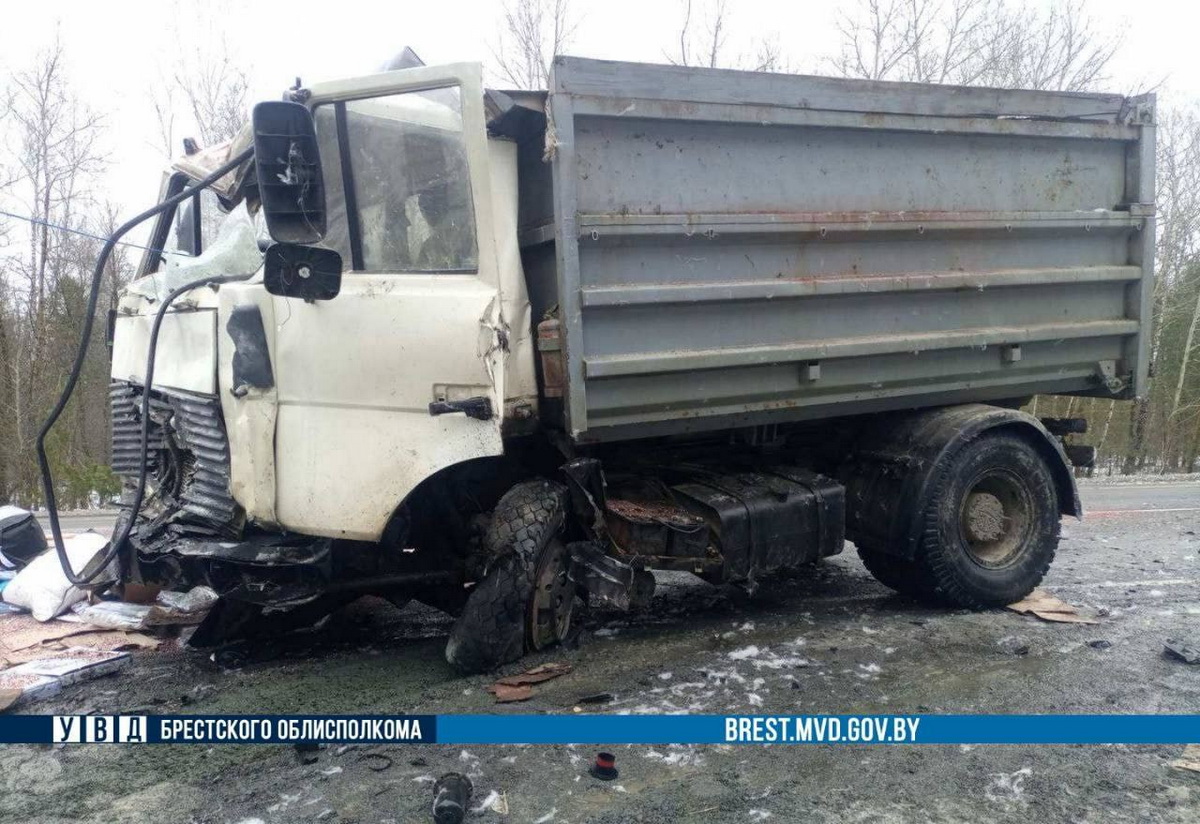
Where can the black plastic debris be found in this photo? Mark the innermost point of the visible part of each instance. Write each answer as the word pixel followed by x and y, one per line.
pixel 451 794
pixel 1100 644
pixel 21 538
pixel 1186 652
pixel 376 761
pixel 307 752
pixel 598 698
pixel 605 767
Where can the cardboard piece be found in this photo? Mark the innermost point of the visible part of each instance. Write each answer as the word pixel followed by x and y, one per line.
pixel 540 673
pixel 1041 604
pixel 506 694
pixel 73 665
pixel 24 639
pixel 28 686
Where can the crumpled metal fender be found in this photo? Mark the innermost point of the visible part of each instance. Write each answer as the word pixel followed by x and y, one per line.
pixel 896 461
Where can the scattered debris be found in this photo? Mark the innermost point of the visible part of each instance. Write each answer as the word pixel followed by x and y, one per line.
pixel 513 688
pixel 605 767
pixel 1014 645
pixel 1184 651
pixel 1100 644
pixel 1042 604
pixel 42 587
pixel 45 677
pixel 540 673
pixel 21 538
pixel 22 638
pixel 307 752
pixel 376 761
pixel 510 695
pixel 451 794
pixel 598 698
pixel 168 609
pixel 1189 759
pixel 28 687
pixel 497 802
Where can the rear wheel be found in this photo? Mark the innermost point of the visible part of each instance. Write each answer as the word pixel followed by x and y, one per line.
pixel 525 599
pixel 991 526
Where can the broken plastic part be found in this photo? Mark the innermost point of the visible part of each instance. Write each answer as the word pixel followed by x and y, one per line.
pixel 451 794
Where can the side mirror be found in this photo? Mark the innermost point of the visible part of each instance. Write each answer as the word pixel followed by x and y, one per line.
pixel 304 272
pixel 288 170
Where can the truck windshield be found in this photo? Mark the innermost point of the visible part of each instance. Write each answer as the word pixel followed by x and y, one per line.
pixel 397 184
pixel 187 229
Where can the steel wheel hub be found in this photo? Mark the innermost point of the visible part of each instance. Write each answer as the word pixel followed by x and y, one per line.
pixel 553 601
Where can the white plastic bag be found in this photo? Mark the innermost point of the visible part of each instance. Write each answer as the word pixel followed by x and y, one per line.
pixel 43 589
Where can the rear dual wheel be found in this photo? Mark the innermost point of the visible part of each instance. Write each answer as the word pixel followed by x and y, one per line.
pixel 991 528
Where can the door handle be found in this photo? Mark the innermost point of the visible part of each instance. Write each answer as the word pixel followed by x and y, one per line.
pixel 479 408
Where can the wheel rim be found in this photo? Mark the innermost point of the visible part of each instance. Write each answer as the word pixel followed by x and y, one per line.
pixel 996 518
pixel 553 601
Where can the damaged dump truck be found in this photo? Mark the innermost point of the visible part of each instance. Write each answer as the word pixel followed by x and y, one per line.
pixel 505 352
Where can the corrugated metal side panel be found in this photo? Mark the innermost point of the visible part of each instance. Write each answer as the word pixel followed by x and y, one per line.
pixel 829 247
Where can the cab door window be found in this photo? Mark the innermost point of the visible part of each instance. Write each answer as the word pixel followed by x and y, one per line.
pixel 397 182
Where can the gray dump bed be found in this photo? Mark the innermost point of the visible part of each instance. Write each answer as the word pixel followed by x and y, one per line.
pixel 729 248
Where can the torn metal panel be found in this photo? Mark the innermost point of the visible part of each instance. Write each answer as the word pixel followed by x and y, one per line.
pixel 610 579
pixel 265 568
pixel 187 461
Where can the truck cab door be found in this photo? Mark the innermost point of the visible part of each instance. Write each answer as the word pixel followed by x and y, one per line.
pixel 401 374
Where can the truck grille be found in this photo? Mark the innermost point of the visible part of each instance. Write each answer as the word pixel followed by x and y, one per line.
pixel 188 453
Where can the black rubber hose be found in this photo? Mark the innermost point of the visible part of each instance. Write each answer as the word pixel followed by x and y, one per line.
pixel 77 367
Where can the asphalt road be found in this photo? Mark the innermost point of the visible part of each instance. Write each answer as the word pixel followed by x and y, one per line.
pixel 831 640
pixel 100 520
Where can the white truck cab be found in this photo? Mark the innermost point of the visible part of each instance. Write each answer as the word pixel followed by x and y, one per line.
pixel 422 206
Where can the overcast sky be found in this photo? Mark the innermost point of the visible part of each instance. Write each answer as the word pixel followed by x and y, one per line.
pixel 117 50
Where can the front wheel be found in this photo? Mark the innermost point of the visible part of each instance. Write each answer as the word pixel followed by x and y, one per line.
pixel 991 524
pixel 525 599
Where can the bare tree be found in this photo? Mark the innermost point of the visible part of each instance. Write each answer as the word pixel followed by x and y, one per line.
pixel 703 40
pixel 702 35
pixel 57 159
pixel 208 88
pixel 974 42
pixel 534 31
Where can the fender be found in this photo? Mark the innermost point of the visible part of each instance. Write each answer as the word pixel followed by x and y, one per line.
pixel 889 477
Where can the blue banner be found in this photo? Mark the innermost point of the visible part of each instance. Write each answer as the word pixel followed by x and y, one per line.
pixel 601 729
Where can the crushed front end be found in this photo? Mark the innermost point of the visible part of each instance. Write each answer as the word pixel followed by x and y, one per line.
pixel 190 529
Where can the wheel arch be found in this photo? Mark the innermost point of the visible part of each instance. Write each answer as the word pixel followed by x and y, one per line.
pixel 899 460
